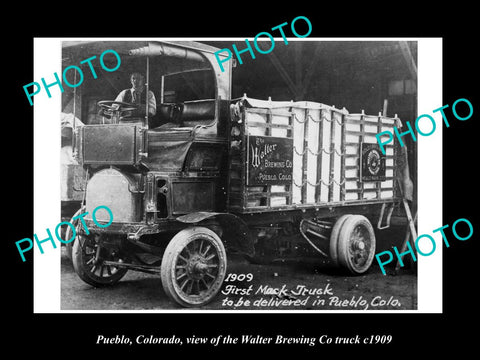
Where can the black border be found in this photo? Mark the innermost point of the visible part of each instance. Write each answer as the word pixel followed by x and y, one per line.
pixel 74 334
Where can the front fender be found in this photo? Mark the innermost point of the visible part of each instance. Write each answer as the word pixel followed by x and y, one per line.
pixel 236 233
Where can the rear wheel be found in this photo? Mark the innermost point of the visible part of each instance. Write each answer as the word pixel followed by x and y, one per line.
pixel 193 266
pixel 355 243
pixel 88 257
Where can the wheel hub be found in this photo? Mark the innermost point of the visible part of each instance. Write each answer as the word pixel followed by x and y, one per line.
pixel 196 267
pixel 358 240
pixel 359 245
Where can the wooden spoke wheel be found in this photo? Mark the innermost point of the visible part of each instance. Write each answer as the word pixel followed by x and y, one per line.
pixel 354 238
pixel 89 257
pixel 193 266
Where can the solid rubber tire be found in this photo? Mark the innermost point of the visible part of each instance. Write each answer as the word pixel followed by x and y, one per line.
pixel 343 244
pixel 334 238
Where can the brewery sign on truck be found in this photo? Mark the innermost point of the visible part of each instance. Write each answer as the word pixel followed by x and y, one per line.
pixel 269 160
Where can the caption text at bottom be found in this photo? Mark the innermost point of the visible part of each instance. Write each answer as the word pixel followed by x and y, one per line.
pixel 245 340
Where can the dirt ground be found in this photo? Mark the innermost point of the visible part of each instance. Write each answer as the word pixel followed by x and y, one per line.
pixel 307 284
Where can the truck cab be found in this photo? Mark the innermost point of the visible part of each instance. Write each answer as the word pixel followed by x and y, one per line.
pixel 151 170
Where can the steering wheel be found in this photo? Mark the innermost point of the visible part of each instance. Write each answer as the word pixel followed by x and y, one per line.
pixel 122 106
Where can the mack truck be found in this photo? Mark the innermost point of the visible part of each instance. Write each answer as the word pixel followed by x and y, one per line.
pixel 208 174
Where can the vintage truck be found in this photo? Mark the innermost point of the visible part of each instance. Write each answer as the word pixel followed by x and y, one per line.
pixel 216 174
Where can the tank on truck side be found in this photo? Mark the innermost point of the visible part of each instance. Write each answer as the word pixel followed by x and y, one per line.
pixel 211 175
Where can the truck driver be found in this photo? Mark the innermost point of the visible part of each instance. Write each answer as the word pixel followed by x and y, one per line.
pixel 136 95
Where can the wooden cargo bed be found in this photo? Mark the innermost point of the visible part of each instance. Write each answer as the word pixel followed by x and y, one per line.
pixel 290 155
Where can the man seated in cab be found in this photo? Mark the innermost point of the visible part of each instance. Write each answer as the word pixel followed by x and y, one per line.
pixel 137 95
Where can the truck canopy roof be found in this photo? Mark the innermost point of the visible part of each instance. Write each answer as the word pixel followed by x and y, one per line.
pixel 177 56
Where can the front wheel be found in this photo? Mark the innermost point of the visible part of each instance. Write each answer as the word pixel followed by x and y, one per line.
pixel 193 266
pixel 88 258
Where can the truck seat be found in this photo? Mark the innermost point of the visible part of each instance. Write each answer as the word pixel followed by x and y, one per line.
pixel 187 114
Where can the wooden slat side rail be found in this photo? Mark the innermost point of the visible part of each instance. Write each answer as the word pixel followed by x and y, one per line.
pixel 305 158
pixel 343 151
pixel 318 187
pixel 332 157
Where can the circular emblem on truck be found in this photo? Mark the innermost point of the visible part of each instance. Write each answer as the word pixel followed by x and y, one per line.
pixel 373 161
